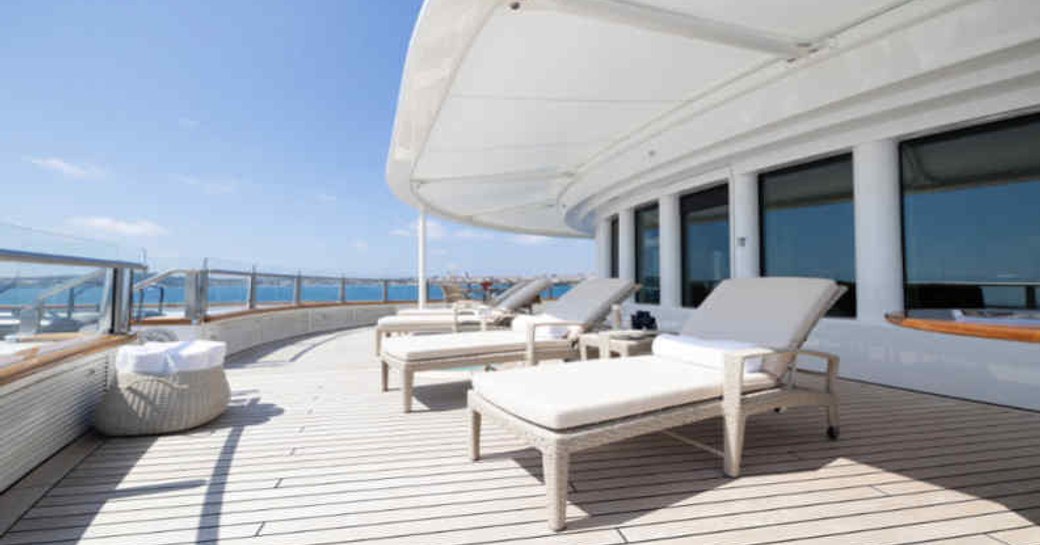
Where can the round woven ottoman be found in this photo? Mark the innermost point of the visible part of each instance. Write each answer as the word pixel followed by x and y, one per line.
pixel 167 399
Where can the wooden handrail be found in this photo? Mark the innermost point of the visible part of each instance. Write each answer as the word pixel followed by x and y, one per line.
pixel 1025 334
pixel 39 360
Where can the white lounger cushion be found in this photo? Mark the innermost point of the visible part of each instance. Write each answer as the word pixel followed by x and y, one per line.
pixel 576 394
pixel 589 301
pixel 474 343
pixel 769 312
pixel 524 295
pixel 429 311
pixel 705 352
pixel 419 322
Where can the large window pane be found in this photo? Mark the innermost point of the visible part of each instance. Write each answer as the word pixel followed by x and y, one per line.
pixel 648 260
pixel 615 259
pixel 705 242
pixel 808 227
pixel 971 217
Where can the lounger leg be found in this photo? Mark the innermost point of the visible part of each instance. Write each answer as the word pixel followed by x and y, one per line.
pixel 833 423
pixel 734 443
pixel 474 435
pixel 555 466
pixel 384 378
pixel 407 379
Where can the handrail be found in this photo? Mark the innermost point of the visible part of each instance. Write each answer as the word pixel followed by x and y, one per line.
pixel 995 283
pixel 67 285
pixel 58 259
pixel 152 280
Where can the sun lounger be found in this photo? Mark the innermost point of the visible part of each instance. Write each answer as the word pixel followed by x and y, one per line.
pixel 551 334
pixel 441 310
pixel 735 358
pixel 460 318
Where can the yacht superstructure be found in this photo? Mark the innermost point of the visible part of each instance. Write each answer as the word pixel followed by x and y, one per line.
pixel 889 145
pixel 886 144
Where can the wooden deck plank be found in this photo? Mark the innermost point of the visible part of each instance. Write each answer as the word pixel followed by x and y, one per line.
pixel 1028 535
pixel 325 458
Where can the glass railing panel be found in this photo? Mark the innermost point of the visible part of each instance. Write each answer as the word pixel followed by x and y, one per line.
pixel 320 290
pixel 159 297
pixel 50 299
pixel 366 291
pixel 227 293
pixel 274 290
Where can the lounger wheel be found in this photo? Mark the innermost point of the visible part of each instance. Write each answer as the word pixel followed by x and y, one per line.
pixel 833 432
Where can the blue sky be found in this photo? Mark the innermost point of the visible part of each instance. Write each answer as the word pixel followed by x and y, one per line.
pixel 251 131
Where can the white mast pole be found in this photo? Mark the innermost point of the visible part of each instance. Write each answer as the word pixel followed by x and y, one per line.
pixel 422 258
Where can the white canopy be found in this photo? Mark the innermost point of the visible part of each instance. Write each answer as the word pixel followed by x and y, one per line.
pixel 523 115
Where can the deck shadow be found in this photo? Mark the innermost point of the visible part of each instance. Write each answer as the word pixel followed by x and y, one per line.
pixel 442 396
pixel 941 459
pixel 244 410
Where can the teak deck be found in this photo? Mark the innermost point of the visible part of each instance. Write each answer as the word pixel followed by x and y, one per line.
pixel 312 453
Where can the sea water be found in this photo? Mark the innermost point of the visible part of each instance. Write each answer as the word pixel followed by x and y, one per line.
pixel 237 293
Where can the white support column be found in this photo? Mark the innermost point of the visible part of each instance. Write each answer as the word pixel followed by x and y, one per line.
pixel 671 251
pixel 603 248
pixel 879 257
pixel 422 258
pixel 627 244
pixel 743 194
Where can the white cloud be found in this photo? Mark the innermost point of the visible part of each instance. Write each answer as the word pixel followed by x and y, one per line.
pixel 434 230
pixel 65 168
pixel 325 197
pixel 360 245
pixel 208 186
pixel 112 226
pixel 438 251
pixel 473 234
pixel 188 123
pixel 530 240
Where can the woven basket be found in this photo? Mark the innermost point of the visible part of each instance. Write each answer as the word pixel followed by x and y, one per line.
pixel 139 404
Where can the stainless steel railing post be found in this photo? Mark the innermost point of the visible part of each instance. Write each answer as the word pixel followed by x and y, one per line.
pixel 251 289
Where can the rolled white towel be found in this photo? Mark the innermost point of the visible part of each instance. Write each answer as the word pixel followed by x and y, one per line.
pixel 705 352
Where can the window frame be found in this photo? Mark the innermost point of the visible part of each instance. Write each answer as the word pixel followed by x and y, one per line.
pixel 636 243
pixel 953 133
pixel 684 198
pixel 614 232
pixel 837 157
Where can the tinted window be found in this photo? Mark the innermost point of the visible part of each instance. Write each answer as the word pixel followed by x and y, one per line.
pixel 705 242
pixel 971 217
pixel 648 262
pixel 614 258
pixel 808 226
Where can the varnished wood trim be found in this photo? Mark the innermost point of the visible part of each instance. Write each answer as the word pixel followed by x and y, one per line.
pixel 1025 334
pixel 266 310
pixel 35 361
pixel 50 337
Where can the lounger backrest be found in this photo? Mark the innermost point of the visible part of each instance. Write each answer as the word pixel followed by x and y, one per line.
pixel 590 301
pixel 524 295
pixel 773 312
pixel 497 299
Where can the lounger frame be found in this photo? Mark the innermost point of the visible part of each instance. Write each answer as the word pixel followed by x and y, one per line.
pixel 734 406
pixel 535 351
